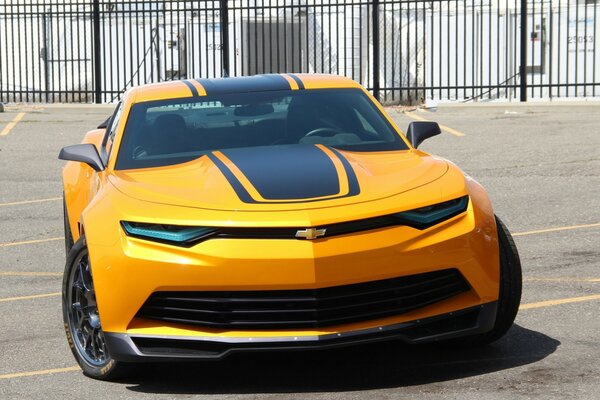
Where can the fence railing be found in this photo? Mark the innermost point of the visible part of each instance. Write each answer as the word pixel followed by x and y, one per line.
pixel 404 51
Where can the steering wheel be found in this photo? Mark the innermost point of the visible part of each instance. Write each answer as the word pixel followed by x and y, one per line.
pixel 319 131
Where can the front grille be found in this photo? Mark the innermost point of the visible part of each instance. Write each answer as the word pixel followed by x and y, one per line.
pixel 307 308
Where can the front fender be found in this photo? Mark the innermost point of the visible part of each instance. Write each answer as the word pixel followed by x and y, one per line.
pixel 80 184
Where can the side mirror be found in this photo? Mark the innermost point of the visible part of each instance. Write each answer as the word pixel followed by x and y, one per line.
pixel 421 130
pixel 85 153
pixel 104 124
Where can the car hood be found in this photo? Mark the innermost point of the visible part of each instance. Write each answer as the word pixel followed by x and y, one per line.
pixel 294 177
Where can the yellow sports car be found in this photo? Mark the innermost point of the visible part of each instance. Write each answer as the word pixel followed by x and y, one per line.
pixel 272 212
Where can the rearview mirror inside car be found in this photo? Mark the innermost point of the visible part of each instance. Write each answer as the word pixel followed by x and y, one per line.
pixel 85 153
pixel 421 130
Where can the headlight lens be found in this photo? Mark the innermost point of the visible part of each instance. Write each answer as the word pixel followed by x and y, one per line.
pixel 172 234
pixel 422 218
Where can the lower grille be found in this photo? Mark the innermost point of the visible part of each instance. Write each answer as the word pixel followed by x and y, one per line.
pixel 469 321
pixel 306 308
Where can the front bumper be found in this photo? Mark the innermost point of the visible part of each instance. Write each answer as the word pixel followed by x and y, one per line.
pixel 136 348
pixel 128 271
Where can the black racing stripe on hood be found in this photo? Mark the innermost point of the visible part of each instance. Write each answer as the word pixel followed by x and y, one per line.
pixel 353 187
pixel 298 173
pixel 257 83
pixel 237 186
pixel 287 172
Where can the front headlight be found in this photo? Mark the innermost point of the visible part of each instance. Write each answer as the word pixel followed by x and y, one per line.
pixel 172 234
pixel 424 217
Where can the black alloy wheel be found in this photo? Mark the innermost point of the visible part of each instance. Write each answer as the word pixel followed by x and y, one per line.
pixel 82 319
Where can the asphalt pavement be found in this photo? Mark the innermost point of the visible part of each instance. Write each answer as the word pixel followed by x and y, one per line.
pixel 541 166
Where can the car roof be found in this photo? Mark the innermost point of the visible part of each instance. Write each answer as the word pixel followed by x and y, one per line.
pixel 256 83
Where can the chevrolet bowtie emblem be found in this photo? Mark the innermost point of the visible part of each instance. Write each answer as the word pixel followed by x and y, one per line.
pixel 310 233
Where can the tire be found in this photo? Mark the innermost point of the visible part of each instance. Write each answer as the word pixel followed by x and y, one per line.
pixel 81 319
pixel 68 234
pixel 511 284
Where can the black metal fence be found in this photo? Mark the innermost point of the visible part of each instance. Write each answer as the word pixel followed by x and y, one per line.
pixel 405 51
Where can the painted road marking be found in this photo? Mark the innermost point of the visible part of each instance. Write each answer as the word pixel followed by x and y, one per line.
pixel 560 228
pixel 15 203
pixel 549 303
pixel 12 124
pixel 565 279
pixel 33 296
pixel 29 273
pixel 443 127
pixel 525 279
pixel 31 241
pixel 40 372
pixel 540 304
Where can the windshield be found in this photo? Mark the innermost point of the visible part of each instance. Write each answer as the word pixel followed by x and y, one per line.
pixel 167 132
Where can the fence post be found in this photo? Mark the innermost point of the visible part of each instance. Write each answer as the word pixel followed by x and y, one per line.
pixel 225 37
pixel 97 63
pixel 524 38
pixel 45 54
pixel 375 23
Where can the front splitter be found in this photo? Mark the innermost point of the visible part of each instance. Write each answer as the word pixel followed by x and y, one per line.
pixel 139 348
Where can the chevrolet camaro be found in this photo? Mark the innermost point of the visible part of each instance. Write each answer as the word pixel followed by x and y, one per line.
pixel 270 213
